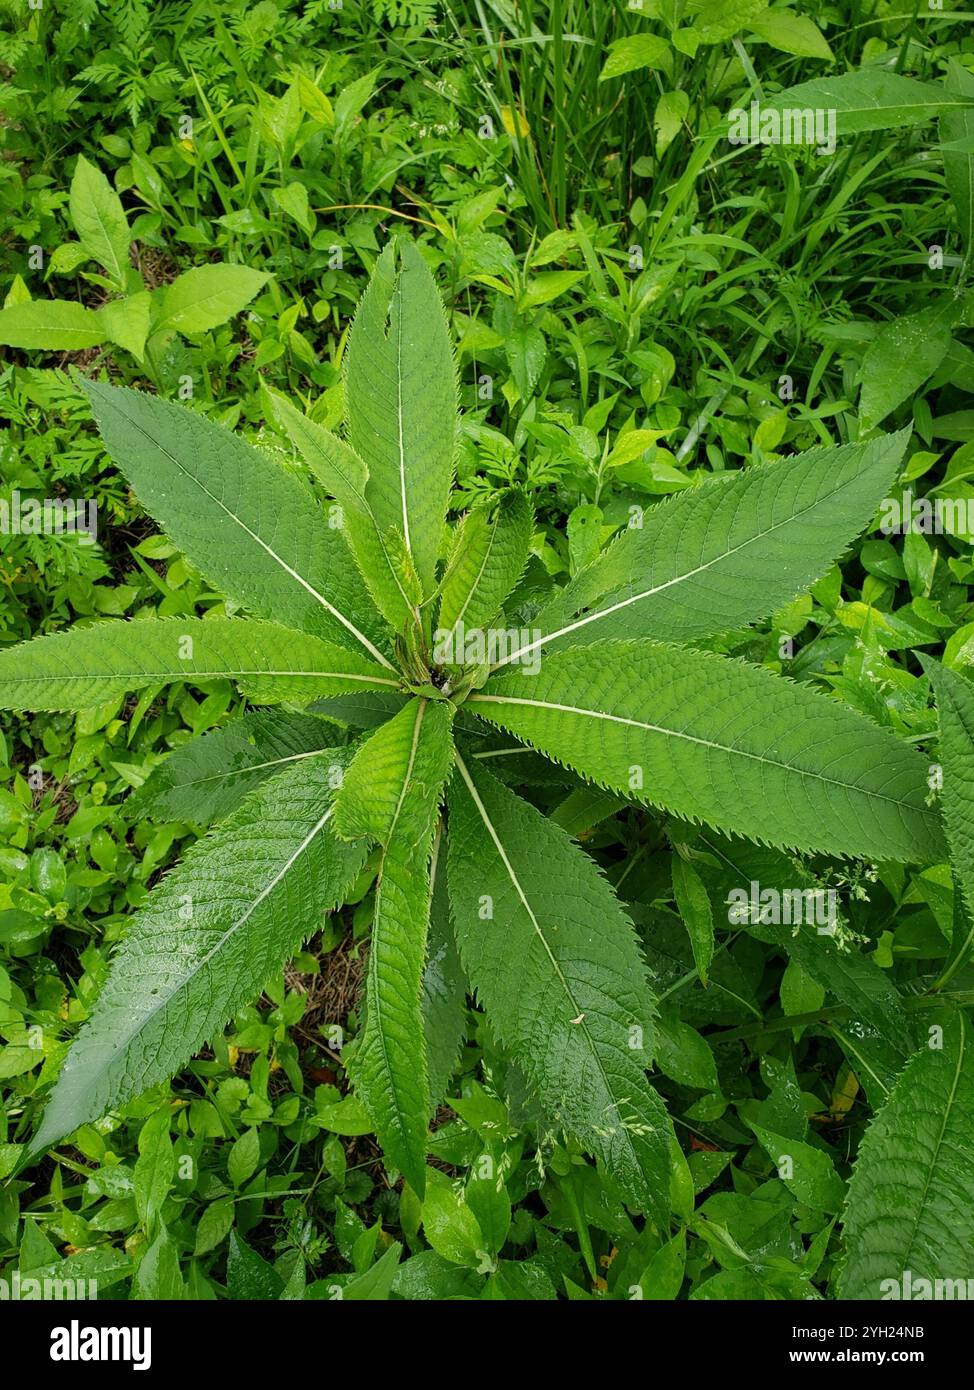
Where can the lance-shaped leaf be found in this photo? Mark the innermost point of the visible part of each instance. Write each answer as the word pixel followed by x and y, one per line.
pixel 724 743
pixel 491 552
pixel 870 99
pixel 959 165
pixel 726 553
pixel 401 402
pixel 255 531
pixel 391 793
pixel 205 779
pixel 206 941
pixel 100 221
pixel 393 586
pixel 79 668
pixel 955 705
pixel 444 992
pixel 910 1206
pixel 550 952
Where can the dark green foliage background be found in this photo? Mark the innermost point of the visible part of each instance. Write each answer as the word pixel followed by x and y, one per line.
pixel 602 271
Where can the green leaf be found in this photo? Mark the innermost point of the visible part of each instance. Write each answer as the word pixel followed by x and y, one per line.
pixel 206 296
pixel 155 1168
pixel 806 1171
pixel 254 530
pixel 870 99
pixel 451 1227
pixel 157 1278
pixel 671 111
pixel 54 325
pixel 716 20
pixel 81 667
pixel 206 941
pixel 526 351
pixel 791 33
pixel 910 1205
pixel 391 793
pixel 393 784
pixel 401 402
pixel 637 51
pixel 126 322
pixel 958 166
pixel 344 475
pixel 243 1158
pixel 903 354
pixel 555 960
pixel 249 1277
pixel 444 990
pixel 694 904
pixel 375 1284
pixel 730 745
pixel 99 220
pixel 205 779
pixel 214 1225
pixel 492 551
pixel 955 706
pixel 728 552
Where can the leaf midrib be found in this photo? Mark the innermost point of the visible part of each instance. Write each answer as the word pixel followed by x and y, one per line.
pixel 679 578
pixel 576 1008
pixel 278 559
pixel 693 738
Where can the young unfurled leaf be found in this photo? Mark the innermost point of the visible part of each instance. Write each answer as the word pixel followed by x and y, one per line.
pixel 492 551
pixel 344 475
pixel 391 793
